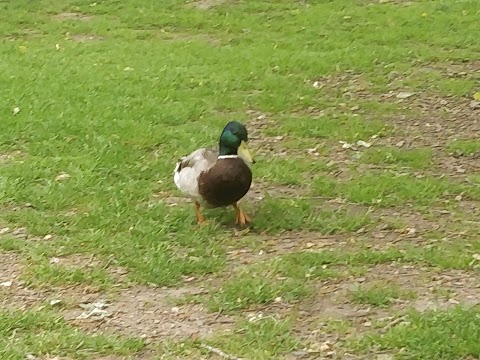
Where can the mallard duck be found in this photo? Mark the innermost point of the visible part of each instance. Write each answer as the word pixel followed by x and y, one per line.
pixel 218 178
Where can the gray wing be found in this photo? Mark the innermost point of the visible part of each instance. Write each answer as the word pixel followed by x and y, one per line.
pixel 201 158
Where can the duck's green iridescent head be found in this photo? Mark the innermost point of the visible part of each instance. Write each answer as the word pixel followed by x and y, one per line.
pixel 233 141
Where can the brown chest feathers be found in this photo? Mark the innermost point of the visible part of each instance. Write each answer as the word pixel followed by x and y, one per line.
pixel 225 183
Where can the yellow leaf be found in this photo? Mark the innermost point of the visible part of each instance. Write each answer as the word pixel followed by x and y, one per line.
pixel 476 96
pixel 23 49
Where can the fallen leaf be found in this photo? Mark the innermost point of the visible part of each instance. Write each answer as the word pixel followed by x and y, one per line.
pixel 16 110
pixel 476 96
pixel 411 231
pixel 405 95
pixel 5 230
pixel 6 284
pixel 326 346
pixel 94 309
pixel 62 177
pixel 346 145
pixel 363 143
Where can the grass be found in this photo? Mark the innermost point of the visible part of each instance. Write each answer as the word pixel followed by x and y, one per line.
pixel 465 147
pixel 42 332
pixel 416 158
pixel 392 189
pixel 101 99
pixel 378 294
pixel 435 335
pixel 260 338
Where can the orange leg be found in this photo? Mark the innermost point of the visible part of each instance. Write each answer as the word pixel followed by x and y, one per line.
pixel 241 218
pixel 200 218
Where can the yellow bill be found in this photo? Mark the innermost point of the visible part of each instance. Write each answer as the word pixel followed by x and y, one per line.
pixel 244 152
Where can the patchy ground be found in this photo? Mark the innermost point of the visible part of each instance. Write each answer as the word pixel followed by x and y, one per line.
pixel 365 199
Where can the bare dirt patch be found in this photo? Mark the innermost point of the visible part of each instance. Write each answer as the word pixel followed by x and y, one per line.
pixel 22 34
pixel 6 158
pixel 259 190
pixel 268 146
pixel 186 37
pixel 86 37
pixel 423 121
pixel 14 294
pixel 206 4
pixel 63 16
pixel 90 261
pixel 150 313
pixel 330 317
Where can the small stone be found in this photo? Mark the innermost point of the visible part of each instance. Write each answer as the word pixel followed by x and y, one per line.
pixel 48 237
pixel 475 104
pixel 6 284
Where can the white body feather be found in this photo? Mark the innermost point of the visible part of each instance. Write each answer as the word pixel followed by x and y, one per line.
pixel 186 179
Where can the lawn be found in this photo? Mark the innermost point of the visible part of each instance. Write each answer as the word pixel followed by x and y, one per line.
pixel 364 117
